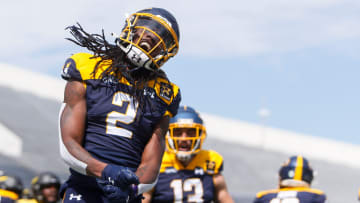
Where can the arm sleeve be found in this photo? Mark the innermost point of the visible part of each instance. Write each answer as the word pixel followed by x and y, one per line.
pixel 69 159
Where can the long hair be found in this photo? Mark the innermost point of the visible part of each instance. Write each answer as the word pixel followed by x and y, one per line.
pixel 100 47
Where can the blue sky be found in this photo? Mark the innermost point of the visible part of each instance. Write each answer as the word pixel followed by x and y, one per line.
pixel 298 59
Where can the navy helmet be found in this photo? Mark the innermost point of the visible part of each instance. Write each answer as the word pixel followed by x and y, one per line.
pixel 296 171
pixel 160 24
pixel 186 117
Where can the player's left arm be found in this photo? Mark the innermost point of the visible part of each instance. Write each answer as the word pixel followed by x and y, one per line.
pixel 221 192
pixel 149 167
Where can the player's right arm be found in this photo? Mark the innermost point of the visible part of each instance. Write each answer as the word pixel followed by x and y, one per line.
pixel 72 128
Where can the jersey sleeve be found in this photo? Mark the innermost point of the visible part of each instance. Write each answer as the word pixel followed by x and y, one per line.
pixel 212 161
pixel 219 162
pixel 80 66
pixel 320 198
pixel 174 106
pixel 70 70
pixel 169 93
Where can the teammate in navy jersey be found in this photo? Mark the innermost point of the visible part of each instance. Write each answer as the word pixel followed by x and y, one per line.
pixel 189 173
pixel 295 178
pixel 117 107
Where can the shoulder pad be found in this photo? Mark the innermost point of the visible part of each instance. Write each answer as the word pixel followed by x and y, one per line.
pixel 164 89
pixel 312 190
pixel 210 161
pixel 265 192
pixel 81 66
pixel 169 93
pixel 8 194
pixel 168 160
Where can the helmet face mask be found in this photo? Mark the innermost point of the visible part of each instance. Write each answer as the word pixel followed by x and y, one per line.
pixel 186 134
pixel 149 39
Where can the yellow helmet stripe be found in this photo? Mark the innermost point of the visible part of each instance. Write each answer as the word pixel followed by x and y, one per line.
pixel 299 168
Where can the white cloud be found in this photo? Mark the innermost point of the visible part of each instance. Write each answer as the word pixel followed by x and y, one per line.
pixel 227 27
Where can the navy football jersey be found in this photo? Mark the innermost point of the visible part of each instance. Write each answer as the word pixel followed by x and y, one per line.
pixel 193 183
pixel 116 131
pixel 291 195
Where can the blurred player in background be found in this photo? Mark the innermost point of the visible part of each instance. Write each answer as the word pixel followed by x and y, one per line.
pixel 26 197
pixel 295 178
pixel 188 173
pixel 45 187
pixel 117 107
pixel 10 188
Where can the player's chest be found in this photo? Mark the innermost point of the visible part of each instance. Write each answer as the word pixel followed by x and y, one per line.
pixel 103 102
pixel 186 186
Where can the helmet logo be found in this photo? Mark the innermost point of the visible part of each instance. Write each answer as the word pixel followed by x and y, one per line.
pixel 291 173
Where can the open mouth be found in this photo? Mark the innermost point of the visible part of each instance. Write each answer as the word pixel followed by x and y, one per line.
pixel 184 148
pixel 145 45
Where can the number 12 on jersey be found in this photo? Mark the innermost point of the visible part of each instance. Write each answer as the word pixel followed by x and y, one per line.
pixel 179 188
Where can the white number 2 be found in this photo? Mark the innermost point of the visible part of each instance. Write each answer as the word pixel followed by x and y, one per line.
pixel 126 114
pixel 188 186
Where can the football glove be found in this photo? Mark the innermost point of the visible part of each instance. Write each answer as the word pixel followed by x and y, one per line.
pixel 113 193
pixel 119 176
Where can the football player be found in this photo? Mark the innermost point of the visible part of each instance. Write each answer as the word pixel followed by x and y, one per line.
pixel 45 187
pixel 188 173
pixel 295 178
pixel 117 107
pixel 10 188
pixel 27 197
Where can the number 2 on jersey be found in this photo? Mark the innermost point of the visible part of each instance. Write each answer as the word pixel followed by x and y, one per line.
pixel 126 114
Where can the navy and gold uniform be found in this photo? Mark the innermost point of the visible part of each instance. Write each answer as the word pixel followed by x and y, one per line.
pixel 116 131
pixel 193 183
pixel 296 194
pixel 295 177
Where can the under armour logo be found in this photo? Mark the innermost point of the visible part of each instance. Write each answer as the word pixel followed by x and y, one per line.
pixel 136 58
pixel 77 197
pixel 111 181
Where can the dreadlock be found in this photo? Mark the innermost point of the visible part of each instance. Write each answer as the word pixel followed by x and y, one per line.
pixel 100 47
